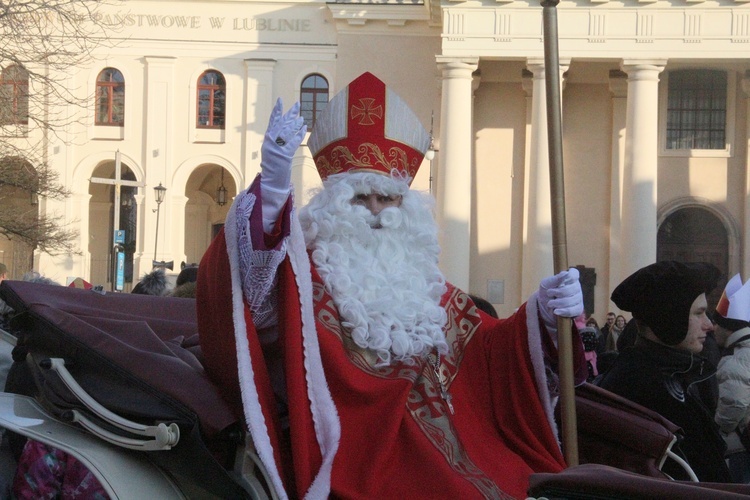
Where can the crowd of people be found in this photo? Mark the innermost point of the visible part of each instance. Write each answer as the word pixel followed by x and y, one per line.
pixel 671 357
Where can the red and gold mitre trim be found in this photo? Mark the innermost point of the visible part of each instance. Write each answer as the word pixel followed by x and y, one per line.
pixel 368 128
pixel 723 306
pixel 734 303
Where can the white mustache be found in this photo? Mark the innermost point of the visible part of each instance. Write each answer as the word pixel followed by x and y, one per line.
pixel 390 217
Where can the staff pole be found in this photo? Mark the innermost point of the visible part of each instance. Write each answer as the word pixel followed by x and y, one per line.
pixel 559 241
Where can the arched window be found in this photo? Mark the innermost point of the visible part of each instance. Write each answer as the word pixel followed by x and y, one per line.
pixel 695 234
pixel 313 98
pixel 212 90
pixel 110 98
pixel 14 96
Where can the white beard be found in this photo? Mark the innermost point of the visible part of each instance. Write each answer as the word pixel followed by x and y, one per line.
pixel 385 282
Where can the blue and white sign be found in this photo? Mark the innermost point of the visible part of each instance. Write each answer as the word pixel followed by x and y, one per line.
pixel 120 272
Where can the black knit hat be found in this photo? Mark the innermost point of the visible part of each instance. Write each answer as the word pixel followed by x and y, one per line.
pixel 188 274
pixel 660 295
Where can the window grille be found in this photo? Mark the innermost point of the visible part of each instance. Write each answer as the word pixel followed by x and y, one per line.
pixel 211 98
pixel 110 98
pixel 313 98
pixel 14 96
pixel 697 109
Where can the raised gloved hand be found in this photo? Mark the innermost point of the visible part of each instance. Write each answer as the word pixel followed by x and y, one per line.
pixel 560 295
pixel 284 135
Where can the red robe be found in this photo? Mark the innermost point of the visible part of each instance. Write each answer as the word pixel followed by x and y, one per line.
pixel 382 432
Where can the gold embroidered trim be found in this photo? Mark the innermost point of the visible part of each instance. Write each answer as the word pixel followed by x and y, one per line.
pixel 425 403
pixel 367 156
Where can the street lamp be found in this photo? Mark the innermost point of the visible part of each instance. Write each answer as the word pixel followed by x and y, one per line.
pixel 159 194
pixel 430 153
pixel 221 193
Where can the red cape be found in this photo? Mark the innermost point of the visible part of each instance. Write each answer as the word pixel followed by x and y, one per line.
pixel 398 438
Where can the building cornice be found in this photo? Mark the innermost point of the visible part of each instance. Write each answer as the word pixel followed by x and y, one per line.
pixel 598 30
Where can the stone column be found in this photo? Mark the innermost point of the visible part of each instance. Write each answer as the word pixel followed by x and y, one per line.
pixel 639 182
pixel 538 259
pixel 455 162
pixel 179 205
pixel 159 161
pixel 259 102
pixel 618 86
pixel 745 266
pixel 141 257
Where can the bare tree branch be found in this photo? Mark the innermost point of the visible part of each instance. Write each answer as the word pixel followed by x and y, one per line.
pixel 47 39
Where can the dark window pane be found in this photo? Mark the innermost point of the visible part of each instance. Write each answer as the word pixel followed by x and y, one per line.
pixel 696 109
pixel 110 97
pixel 14 96
pixel 313 98
pixel 211 100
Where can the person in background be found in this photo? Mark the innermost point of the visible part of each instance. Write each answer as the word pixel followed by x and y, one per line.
pixel 5 309
pixel 186 283
pixel 7 462
pixel 609 322
pixel 708 389
pixel 732 332
pixel 35 277
pixel 592 323
pixel 484 305
pixel 604 362
pixel 590 342
pixel 668 300
pixel 153 283
pixel 628 336
pixel 615 332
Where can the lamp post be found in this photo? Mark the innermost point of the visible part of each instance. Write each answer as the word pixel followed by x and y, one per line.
pixel 159 194
pixel 429 155
pixel 221 193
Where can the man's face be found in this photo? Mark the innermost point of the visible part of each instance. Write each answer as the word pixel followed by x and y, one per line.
pixel 698 326
pixel 610 319
pixel 375 202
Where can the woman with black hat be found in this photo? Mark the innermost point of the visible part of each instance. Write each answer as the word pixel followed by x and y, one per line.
pixel 668 301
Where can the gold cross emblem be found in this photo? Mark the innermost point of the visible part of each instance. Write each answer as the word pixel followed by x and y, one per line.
pixel 365 111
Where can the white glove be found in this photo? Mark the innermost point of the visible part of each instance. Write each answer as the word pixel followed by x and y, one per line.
pixel 560 295
pixel 284 135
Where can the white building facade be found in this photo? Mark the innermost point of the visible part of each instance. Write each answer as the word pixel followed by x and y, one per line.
pixel 655 129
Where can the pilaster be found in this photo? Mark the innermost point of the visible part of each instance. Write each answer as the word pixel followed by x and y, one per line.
pixel 455 168
pixel 538 259
pixel 639 183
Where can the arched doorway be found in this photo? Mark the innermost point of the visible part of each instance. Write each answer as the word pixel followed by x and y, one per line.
pixel 695 234
pixel 210 191
pixel 101 223
pixel 20 206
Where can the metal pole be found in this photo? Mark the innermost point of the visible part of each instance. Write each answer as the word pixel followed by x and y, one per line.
pixel 559 241
pixel 116 219
pixel 156 236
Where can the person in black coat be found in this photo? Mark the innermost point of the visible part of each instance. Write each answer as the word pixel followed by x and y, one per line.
pixel 668 301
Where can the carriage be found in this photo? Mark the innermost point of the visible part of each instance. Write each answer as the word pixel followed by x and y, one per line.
pixel 115 380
